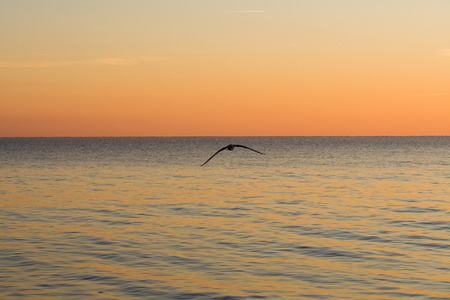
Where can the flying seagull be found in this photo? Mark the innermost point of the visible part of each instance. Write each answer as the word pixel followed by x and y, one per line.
pixel 230 147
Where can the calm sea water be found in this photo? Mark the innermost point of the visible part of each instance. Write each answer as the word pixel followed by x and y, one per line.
pixel 138 218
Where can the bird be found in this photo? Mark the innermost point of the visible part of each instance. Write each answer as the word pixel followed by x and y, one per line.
pixel 231 147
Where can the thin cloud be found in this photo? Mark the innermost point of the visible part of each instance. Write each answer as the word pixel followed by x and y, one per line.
pixel 106 61
pixel 26 64
pixel 429 95
pixel 249 11
pixel 109 61
pixel 444 52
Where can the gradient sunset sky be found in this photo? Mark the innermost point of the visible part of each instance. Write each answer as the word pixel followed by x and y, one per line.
pixel 228 67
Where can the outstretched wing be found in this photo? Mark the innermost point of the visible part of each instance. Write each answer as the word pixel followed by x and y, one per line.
pixel 249 149
pixel 214 155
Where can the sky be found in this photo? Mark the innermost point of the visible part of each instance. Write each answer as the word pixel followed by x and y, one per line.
pixel 224 68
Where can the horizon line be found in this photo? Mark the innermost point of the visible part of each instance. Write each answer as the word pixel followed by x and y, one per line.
pixel 214 136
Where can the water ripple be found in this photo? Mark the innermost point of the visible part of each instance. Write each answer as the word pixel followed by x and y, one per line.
pixel 137 218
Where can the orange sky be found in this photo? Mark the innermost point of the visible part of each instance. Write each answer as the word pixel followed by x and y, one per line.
pixel 202 67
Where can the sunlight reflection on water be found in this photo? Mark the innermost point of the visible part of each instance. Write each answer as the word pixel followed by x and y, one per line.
pixel 319 218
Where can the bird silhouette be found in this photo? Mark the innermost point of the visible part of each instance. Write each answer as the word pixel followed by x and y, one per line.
pixel 231 147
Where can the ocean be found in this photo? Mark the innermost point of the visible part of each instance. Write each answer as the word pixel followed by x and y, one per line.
pixel 139 218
